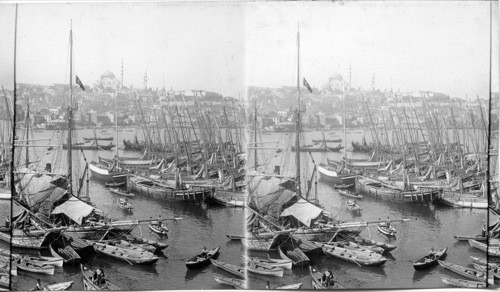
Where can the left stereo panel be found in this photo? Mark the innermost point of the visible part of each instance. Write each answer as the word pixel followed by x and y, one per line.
pixel 128 162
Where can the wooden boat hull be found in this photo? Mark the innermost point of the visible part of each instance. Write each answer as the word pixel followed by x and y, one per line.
pixel 157 230
pixel 334 177
pixel 350 194
pixel 374 189
pixel 469 273
pixel 66 253
pixel 492 251
pixel 264 270
pixel 466 237
pixel 290 287
pixel 104 175
pixel 127 255
pixel 386 231
pixel 118 192
pixel 236 283
pixel 88 285
pixel 35 268
pixel 463 283
pixel 316 284
pixel 195 262
pixel 193 195
pixel 423 263
pixel 230 268
pixel 59 286
pixel 351 256
pixel 296 256
pixel 285 264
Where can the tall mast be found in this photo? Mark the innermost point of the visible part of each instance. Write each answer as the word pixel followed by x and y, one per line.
pixel 256 163
pixel 70 112
pixel 297 140
pixel 11 182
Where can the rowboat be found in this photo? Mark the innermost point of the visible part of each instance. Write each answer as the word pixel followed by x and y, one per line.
pixel 264 270
pixel 115 184
pixel 277 263
pixel 391 231
pixel 331 174
pixel 353 246
pixel 127 255
pixel 129 246
pixel 352 206
pixel 295 255
pixel 34 267
pixel 59 286
pixel 235 236
pixel 466 237
pixel 230 268
pixel 159 245
pixel 472 274
pixel 343 186
pixel 316 281
pixel 290 287
pixel 236 283
pixel 53 261
pixel 66 253
pixel 360 258
pixel 428 261
pixel 493 269
pixel 484 262
pixel 369 242
pixel 463 283
pixel 88 284
pixel 492 251
pixel 350 194
pixel 163 230
pixel 200 261
pixel 125 205
pixel 121 193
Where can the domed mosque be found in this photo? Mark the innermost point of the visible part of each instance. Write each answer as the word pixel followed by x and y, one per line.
pixel 336 82
pixel 107 81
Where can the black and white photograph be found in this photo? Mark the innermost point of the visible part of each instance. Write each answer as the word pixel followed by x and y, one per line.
pixel 129 144
pixel 368 126
pixel 193 145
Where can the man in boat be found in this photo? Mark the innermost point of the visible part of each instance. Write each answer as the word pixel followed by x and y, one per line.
pixel 204 252
pixel 432 253
pixel 39 286
pixel 388 223
pixel 327 278
pixel 159 222
pixel 98 277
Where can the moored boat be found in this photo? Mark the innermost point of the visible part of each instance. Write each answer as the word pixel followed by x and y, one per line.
pixel 140 240
pixel 89 285
pixel 463 283
pixel 295 255
pixel 467 237
pixel 350 194
pixel 115 184
pixel 124 254
pixel 428 261
pixel 472 274
pixel 125 205
pixel 316 281
pixel 121 193
pixel 59 286
pixel 483 262
pixel 333 175
pixel 290 287
pixel 200 261
pixel 264 269
pixel 360 258
pixel 389 231
pixel 236 283
pixel 65 252
pixel 34 267
pixel 230 268
pixel 491 250
pixel 278 263
pixel 353 206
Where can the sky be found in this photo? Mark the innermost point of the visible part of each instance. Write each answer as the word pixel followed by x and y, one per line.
pixel 407 45
pixel 225 46
pixel 181 45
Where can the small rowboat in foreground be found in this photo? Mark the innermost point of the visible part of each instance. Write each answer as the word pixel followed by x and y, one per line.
pixel 466 237
pixel 353 206
pixel 389 231
pixel 34 267
pixel 264 270
pixel 125 205
pixel 463 283
pixel 199 261
pixel 290 287
pixel 121 193
pixel 276 263
pixel 163 230
pixel 429 261
pixel 350 194
pixel 236 283
pixel 59 286
pixel 230 268
pixel 316 281
pixel 88 284
pixel 472 274
pixel 115 184
pixel 360 258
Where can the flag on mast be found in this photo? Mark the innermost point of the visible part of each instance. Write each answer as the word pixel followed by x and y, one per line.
pixel 306 84
pixel 79 82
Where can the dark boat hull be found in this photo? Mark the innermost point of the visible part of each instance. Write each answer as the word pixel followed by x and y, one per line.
pixel 194 264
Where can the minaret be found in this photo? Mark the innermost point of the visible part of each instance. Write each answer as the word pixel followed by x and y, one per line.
pixel 350 75
pixel 146 80
pixel 122 74
pixel 373 82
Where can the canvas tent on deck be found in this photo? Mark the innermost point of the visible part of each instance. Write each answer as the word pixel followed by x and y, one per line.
pixel 303 211
pixel 75 209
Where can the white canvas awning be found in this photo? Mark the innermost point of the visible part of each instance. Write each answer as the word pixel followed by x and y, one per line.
pixel 75 209
pixel 303 211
